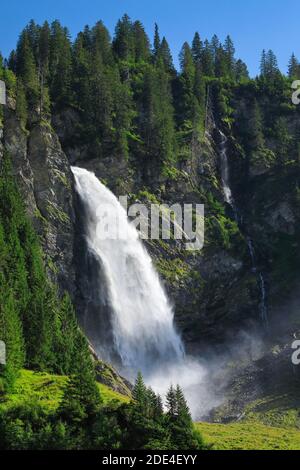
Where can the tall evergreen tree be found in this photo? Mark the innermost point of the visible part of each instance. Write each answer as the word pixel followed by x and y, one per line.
pixel 294 67
pixel 123 44
pixel 241 71
pixel 43 67
pixel 263 63
pixel 229 50
pixel 166 57
pixel 101 44
pixel 60 65
pixel 156 42
pixel 197 49
pixel 141 42
pixel 26 69
pixel 139 392
pixel 207 60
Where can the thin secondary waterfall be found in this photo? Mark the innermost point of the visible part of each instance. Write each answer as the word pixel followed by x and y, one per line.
pixel 225 177
pixel 141 316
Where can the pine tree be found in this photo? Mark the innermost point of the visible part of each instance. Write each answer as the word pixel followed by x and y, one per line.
pixel 190 87
pixel 263 63
pixel 207 60
pixel 139 392
pixel 156 43
pixel 10 333
pixel 182 408
pixel 26 69
pixel 21 103
pixel 166 57
pixel 221 63
pixel 141 42
pixel 43 68
pixel 187 80
pixel 33 32
pixel 272 65
pixel 269 66
pixel 101 44
pixel 200 94
pixel 284 139
pixel 241 71
pixel 12 61
pixel 179 421
pixel 294 68
pixel 123 44
pixel 229 50
pixel 60 66
pixel 171 403
pixel 155 119
pixel 255 127
pixel 81 400
pixel 197 49
pixel 81 67
pixel 215 45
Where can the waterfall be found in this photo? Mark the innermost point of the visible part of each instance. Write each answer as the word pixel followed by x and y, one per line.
pixel 225 175
pixel 141 316
pixel 225 178
pixel 122 284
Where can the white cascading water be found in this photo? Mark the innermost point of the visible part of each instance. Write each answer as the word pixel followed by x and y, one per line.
pixel 225 175
pixel 144 335
pixel 142 318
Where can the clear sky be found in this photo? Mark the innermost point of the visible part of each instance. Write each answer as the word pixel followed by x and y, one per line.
pixel 253 24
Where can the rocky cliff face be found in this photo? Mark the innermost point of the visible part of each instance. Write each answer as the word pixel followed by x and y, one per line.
pixel 45 180
pixel 215 292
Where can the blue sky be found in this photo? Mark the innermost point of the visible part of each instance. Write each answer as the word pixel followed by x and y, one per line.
pixel 253 25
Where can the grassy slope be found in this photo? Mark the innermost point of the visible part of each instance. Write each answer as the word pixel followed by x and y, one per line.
pixel 47 390
pixel 249 436
pixel 271 423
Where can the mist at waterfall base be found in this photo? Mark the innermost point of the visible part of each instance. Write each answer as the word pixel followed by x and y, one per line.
pixel 142 320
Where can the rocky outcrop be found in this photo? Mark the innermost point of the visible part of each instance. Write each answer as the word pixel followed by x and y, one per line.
pixel 46 183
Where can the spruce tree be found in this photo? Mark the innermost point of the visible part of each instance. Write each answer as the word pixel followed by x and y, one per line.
pixel 101 44
pixel 197 49
pixel 27 70
pixel 166 57
pixel 171 403
pixel 43 68
pixel 241 71
pixel 60 65
pixel 156 43
pixel 139 392
pixel 229 51
pixel 263 63
pixel 207 61
pixel 21 103
pixel 221 63
pixel 190 88
pixel 141 42
pixel 123 44
pixel 294 68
